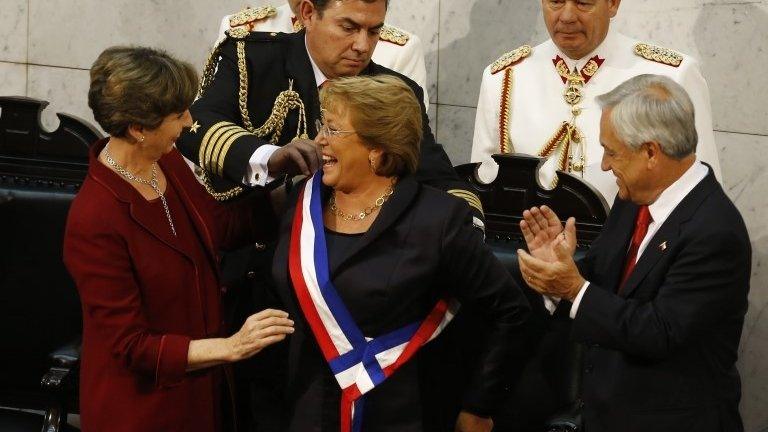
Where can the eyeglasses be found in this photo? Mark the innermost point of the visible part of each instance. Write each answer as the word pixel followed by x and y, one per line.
pixel 582 5
pixel 326 132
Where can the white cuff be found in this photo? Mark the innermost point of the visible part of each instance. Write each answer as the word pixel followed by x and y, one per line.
pixel 577 300
pixel 257 174
pixel 551 303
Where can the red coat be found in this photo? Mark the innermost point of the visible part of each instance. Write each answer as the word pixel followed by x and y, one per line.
pixel 144 300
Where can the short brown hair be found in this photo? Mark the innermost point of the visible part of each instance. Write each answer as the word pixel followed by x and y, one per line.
pixel 385 114
pixel 136 85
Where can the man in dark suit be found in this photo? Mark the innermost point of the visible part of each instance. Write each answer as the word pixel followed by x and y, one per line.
pixel 659 300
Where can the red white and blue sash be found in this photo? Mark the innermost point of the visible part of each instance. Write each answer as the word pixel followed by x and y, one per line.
pixel 358 363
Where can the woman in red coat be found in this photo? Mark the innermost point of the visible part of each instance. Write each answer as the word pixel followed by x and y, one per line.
pixel 142 244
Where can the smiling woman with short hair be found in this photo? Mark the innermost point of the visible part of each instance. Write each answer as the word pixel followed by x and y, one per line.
pixel 376 265
pixel 142 244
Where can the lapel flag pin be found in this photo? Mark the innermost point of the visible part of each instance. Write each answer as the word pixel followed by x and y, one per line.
pixel 663 246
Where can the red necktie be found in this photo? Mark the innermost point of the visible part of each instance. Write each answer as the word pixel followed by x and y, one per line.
pixel 642 220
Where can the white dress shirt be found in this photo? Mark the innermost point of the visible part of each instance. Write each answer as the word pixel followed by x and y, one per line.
pixel 660 210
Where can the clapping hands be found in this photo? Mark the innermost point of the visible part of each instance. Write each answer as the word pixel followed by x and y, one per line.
pixel 548 267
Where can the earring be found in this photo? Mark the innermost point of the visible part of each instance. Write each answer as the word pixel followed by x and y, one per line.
pixel 372 165
pixel 141 140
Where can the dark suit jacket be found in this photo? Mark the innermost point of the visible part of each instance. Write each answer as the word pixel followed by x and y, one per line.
pixel 421 246
pixel 144 299
pixel 661 354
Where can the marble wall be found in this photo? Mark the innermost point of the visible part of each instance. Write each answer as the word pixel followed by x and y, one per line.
pixel 46 47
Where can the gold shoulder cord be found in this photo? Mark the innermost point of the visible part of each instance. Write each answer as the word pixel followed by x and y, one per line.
pixel 505 63
pixel 210 68
pixel 505 141
pixel 286 101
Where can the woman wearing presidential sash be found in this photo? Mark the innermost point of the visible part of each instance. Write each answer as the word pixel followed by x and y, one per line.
pixel 375 265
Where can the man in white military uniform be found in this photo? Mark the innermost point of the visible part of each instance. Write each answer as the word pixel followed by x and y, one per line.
pixel 397 49
pixel 541 100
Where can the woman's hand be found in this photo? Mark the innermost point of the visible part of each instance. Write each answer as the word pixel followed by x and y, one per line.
pixel 259 331
pixel 471 423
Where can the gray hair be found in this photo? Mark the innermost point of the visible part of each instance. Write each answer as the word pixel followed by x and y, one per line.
pixel 653 108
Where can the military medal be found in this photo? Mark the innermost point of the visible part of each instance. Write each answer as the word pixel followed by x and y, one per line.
pixel 568 135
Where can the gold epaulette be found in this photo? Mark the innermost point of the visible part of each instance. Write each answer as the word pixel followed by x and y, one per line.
pixel 511 58
pixel 248 17
pixel 394 35
pixel 658 54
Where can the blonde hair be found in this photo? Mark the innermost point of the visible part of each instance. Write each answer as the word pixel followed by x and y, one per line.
pixel 384 113
pixel 136 85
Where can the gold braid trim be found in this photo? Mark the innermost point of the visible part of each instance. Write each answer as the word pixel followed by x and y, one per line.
pixel 510 58
pixel 505 142
pixel 219 139
pixel 212 152
pixel 469 197
pixel 210 68
pixel 249 17
pixel 243 90
pixel 219 196
pixel 555 141
pixel 562 160
pixel 394 35
pixel 286 101
pixel 658 54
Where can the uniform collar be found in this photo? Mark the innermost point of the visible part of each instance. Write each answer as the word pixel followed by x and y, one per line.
pixel 603 50
pixel 672 196
pixel 320 77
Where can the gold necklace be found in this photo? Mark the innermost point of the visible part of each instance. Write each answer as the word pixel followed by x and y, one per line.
pixel 152 182
pixel 366 211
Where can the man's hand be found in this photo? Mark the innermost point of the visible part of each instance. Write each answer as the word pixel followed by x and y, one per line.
pixel 300 156
pixel 559 277
pixel 471 423
pixel 541 229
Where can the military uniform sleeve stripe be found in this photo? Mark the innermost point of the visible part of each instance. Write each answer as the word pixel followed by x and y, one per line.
pixel 217 141
pixel 209 144
pixel 225 149
pixel 206 140
pixel 469 197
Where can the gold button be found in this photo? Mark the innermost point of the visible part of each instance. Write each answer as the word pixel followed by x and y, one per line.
pixel 273 34
pixel 257 176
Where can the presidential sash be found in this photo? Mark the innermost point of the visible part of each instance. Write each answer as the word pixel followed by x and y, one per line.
pixel 358 363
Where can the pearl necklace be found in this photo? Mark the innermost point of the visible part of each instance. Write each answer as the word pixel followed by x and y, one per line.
pixel 152 182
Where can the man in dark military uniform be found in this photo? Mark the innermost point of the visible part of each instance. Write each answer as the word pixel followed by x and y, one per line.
pixel 253 123
pixel 258 109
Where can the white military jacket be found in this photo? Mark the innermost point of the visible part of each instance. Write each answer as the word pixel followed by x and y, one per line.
pixel 397 49
pixel 535 107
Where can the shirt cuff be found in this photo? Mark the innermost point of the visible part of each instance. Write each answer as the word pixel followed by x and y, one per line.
pixel 551 303
pixel 257 174
pixel 577 300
